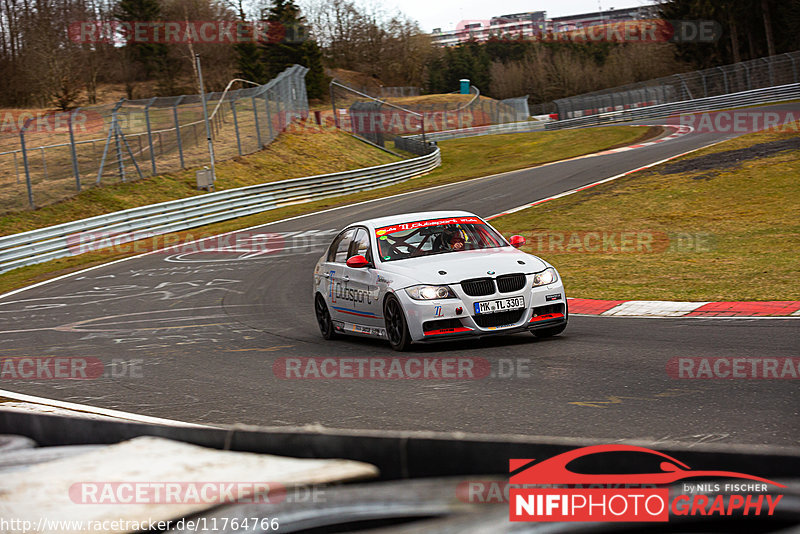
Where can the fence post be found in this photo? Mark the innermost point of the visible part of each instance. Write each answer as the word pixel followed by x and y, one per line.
pixel 278 106
pixel 258 128
pixel 111 129
pixel 74 152
pixel 269 114
pixel 25 162
pixel 236 126
pixel 794 67
pixel 120 163
pixel 685 87
pixel 333 105
pixel 178 129
pixel 44 163
pixel 724 79
pixel 705 86
pixel 149 135
pixel 769 71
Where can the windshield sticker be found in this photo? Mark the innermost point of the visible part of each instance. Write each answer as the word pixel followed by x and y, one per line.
pixel 423 224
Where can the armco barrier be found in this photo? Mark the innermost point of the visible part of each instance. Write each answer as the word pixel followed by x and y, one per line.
pixel 509 127
pixel 36 246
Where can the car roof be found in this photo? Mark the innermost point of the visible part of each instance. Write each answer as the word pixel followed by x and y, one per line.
pixel 411 217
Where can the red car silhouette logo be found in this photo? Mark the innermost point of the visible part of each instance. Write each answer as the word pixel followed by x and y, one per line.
pixel 555 470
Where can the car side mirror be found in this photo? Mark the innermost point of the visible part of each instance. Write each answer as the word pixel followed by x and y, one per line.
pixel 516 241
pixel 357 262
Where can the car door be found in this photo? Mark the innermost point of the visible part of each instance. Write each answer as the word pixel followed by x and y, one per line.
pixel 362 282
pixel 334 271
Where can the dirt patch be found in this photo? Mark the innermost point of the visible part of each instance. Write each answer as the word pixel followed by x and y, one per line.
pixel 730 158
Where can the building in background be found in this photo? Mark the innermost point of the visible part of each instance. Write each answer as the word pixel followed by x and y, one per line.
pixel 535 25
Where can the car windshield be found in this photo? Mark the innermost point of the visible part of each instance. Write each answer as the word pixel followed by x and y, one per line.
pixel 438 236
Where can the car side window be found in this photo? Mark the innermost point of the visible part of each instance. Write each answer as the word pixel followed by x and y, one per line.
pixel 340 246
pixel 361 244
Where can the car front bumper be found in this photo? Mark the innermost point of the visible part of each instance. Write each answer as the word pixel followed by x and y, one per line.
pixel 440 320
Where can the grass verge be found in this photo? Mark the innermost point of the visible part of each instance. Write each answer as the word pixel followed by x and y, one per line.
pixel 461 159
pixel 720 224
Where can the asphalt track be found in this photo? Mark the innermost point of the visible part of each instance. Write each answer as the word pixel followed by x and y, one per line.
pixel 194 337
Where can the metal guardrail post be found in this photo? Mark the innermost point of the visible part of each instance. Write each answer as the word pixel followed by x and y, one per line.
pixel 150 135
pixel 178 130
pixel 258 128
pixel 73 151
pixel 25 162
pixel 236 126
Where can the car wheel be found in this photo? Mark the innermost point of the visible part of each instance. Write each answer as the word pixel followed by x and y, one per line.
pixel 324 318
pixel 396 327
pixel 555 330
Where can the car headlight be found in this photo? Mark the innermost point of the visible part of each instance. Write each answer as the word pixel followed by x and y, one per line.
pixel 430 292
pixel 546 277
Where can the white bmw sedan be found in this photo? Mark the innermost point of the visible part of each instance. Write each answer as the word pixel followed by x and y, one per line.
pixel 433 276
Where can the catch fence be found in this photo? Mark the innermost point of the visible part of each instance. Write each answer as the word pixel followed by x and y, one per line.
pixel 49 158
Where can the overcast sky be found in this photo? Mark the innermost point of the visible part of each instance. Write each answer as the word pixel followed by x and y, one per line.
pixel 445 14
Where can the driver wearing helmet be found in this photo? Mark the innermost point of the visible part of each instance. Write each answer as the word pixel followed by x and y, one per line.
pixel 451 239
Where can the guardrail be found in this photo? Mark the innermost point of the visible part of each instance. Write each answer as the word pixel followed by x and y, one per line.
pixel 766 95
pixel 509 127
pixel 36 246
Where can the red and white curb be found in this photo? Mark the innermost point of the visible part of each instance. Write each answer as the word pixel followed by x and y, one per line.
pixel 679 132
pixel 661 308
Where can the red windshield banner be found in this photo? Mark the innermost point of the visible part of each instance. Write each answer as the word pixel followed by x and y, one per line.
pixel 424 224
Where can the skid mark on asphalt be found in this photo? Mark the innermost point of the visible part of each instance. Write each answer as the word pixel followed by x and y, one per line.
pixel 620 399
pixel 85 325
pixel 266 349
pixel 694 439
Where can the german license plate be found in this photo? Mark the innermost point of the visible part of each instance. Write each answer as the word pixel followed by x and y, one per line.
pixel 499 305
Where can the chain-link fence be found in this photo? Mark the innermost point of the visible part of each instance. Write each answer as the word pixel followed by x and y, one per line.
pixel 52 157
pixel 520 106
pixel 745 76
pixel 382 122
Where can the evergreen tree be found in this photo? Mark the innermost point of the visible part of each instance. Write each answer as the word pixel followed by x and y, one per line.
pixel 250 63
pixel 152 56
pixel 316 81
pixel 281 48
pixel 288 43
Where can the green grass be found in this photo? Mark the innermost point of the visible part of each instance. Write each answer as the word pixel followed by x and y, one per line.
pixel 729 234
pixel 461 159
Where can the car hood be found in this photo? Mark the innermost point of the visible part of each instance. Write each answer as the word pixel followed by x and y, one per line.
pixel 460 266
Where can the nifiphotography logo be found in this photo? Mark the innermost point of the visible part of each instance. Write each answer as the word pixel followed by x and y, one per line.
pixel 554 490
